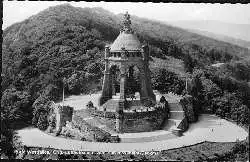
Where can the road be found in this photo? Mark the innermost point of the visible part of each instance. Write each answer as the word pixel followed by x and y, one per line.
pixel 208 128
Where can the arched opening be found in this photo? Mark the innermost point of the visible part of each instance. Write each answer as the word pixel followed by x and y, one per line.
pixel 115 79
pixel 133 85
pixel 127 54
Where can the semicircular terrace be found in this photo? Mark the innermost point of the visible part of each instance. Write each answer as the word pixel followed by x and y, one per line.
pixel 208 128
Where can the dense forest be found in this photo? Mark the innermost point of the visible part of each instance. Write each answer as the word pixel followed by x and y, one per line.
pixel 64 45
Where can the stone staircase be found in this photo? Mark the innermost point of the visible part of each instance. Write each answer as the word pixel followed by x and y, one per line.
pixel 176 116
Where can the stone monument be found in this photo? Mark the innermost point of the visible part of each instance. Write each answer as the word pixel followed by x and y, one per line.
pixel 125 53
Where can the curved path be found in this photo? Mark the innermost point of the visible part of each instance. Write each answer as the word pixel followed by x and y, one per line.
pixel 208 128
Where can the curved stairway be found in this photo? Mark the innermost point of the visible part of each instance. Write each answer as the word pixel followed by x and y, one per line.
pixel 176 116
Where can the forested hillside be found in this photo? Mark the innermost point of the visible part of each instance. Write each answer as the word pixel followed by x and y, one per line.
pixel 68 42
pixel 220 37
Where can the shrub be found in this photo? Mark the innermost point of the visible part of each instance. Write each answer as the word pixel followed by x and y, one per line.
pixel 240 148
pixel 52 121
pixel 166 81
pixel 115 139
pixel 68 134
pixel 42 111
pixel 90 104
pixel 163 99
pixel 42 122
pixel 35 119
pixel 16 105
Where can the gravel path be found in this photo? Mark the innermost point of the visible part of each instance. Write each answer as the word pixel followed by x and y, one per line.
pixel 208 128
pixel 80 101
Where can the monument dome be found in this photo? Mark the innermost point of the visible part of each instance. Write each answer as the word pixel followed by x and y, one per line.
pixel 126 40
pixel 129 41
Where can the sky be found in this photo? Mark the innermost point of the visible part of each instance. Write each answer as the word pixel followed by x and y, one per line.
pixel 17 11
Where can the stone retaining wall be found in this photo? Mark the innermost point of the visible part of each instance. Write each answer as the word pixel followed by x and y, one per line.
pixel 131 114
pixel 144 120
pixel 188 108
pixel 63 114
pixel 183 124
pixel 89 132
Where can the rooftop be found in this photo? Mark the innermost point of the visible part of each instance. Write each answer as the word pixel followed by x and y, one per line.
pixel 126 39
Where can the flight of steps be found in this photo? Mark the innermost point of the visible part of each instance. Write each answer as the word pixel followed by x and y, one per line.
pixel 111 105
pixel 175 118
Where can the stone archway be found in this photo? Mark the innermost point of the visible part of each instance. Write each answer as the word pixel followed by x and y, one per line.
pixel 133 84
pixel 115 78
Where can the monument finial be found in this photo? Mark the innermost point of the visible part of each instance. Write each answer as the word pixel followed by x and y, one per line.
pixel 127 23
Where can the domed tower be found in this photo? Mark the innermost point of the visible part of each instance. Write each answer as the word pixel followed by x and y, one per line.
pixel 122 56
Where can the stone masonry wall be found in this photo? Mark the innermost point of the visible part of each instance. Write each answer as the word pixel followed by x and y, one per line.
pixel 146 124
pixel 63 114
pixel 138 121
pixel 183 124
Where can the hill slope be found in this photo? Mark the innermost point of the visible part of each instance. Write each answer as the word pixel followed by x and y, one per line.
pixel 66 41
pixel 238 31
pixel 170 40
pixel 224 38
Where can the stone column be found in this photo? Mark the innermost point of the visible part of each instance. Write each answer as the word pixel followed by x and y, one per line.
pixel 122 83
pixel 143 93
pixel 113 85
pixel 106 86
pixel 145 53
pixel 149 86
pixel 58 120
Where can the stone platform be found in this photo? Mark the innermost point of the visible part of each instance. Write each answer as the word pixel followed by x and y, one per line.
pixel 223 131
pixel 105 120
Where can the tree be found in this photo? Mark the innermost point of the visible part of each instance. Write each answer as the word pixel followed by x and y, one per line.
pixel 189 63
pixel 9 141
pixel 42 108
pixel 42 122
pixel 166 81
pixel 196 85
pixel 227 105
pixel 209 91
pixel 16 105
pixel 13 108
